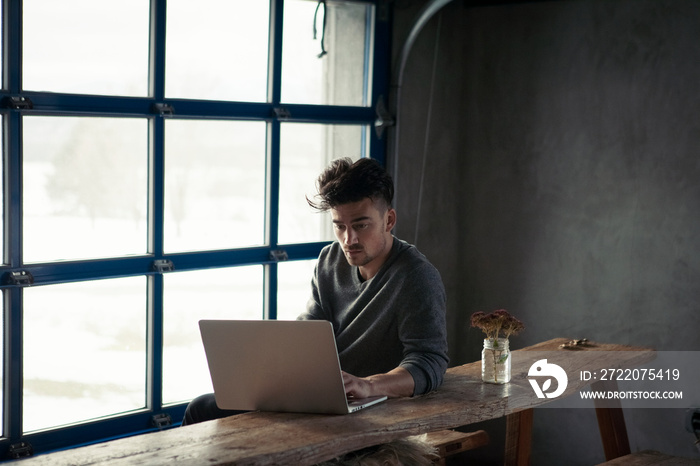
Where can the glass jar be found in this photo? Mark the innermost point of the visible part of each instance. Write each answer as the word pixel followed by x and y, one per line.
pixel 495 361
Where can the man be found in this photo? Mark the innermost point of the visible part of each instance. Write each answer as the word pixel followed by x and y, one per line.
pixel 385 300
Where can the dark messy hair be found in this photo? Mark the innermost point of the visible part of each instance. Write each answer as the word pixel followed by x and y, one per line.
pixel 344 182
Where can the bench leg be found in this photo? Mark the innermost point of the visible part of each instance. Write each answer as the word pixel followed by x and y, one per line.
pixel 611 423
pixel 518 438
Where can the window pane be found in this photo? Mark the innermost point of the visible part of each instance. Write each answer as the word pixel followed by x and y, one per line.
pixel 305 150
pixel 84 351
pixel 293 288
pixel 234 293
pixel 85 187
pixel 214 184
pixel 217 49
pixel 340 76
pixel 86 47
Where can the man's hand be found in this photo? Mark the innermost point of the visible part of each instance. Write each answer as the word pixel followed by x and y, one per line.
pixel 395 383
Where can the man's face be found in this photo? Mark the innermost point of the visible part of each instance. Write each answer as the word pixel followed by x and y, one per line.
pixel 363 229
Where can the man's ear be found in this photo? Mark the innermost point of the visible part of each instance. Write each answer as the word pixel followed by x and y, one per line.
pixel 390 219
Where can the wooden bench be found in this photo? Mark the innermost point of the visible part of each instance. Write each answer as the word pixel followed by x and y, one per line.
pixel 650 457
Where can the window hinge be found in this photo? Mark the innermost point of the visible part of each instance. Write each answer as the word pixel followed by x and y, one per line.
pixel 278 255
pixel 163 109
pixel 282 113
pixel 161 420
pixel 18 277
pixel 162 265
pixel 384 118
pixel 18 102
pixel 20 450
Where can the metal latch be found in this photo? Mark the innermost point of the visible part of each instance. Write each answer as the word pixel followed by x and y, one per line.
pixel 161 420
pixel 18 277
pixel 163 265
pixel 19 102
pixel 282 113
pixel 163 109
pixel 20 450
pixel 278 255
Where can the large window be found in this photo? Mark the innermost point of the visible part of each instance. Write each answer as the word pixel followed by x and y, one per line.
pixel 156 158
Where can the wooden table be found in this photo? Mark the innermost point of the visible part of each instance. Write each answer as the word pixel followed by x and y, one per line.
pixel 261 438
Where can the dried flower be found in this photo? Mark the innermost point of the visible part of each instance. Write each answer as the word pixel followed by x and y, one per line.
pixel 497 324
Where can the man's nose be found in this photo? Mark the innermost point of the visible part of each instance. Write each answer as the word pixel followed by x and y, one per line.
pixel 350 236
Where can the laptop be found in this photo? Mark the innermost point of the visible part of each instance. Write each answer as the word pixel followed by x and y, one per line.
pixel 270 365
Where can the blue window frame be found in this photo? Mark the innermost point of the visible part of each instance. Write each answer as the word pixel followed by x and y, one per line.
pixel 68 256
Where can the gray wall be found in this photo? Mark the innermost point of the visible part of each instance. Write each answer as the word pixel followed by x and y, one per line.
pixel 561 181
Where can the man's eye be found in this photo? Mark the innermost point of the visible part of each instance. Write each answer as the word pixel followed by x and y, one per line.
pixel 338 227
pixel 361 226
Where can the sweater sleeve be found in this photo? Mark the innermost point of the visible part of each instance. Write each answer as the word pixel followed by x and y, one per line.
pixel 422 328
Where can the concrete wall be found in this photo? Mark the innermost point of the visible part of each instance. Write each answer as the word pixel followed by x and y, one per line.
pixel 558 144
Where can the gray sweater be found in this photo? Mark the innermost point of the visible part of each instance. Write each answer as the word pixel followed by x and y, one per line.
pixel 397 318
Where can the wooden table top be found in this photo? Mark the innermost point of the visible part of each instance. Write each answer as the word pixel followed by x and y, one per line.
pixel 264 438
